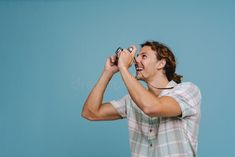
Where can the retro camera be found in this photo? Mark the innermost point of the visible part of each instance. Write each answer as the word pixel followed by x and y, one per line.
pixel 119 49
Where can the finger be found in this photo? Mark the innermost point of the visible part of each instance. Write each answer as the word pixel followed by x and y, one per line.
pixel 130 51
pixel 125 51
pixel 118 54
pixel 133 49
pixel 109 60
pixel 113 58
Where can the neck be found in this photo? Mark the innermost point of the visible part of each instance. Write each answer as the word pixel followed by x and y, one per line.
pixel 154 84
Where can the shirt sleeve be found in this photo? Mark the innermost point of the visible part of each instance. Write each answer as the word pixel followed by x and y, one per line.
pixel 188 97
pixel 121 105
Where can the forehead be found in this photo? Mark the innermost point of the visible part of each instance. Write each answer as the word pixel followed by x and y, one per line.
pixel 147 50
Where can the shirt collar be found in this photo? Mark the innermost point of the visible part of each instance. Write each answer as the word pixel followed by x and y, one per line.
pixel 172 83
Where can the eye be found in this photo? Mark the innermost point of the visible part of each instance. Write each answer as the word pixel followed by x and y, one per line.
pixel 144 56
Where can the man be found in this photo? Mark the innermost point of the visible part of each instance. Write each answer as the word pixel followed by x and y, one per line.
pixel 163 120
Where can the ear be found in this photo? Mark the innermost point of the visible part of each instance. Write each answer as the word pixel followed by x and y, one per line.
pixel 161 64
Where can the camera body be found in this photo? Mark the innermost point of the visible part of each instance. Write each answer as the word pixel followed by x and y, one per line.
pixel 119 49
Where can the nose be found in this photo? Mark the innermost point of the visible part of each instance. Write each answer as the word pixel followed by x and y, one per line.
pixel 137 59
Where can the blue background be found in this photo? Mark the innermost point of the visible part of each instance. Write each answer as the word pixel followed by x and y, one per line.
pixel 52 54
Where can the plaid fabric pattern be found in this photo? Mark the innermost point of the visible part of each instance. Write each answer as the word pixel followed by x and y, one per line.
pixel 161 136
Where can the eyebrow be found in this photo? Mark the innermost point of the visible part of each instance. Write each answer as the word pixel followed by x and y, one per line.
pixel 141 53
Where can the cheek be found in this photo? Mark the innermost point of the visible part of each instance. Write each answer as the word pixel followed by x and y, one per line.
pixel 151 68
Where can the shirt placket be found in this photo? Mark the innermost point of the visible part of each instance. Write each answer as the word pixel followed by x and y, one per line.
pixel 151 136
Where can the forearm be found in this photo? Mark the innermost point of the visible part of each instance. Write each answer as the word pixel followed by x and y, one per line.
pixel 95 98
pixel 141 96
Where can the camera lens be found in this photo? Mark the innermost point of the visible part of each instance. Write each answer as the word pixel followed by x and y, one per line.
pixel 130 49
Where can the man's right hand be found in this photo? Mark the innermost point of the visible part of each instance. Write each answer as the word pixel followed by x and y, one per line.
pixel 94 108
pixel 110 65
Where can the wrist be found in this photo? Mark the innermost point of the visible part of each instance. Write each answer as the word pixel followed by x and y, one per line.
pixel 108 73
pixel 123 69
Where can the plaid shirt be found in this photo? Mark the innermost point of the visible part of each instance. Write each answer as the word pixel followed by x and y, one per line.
pixel 162 136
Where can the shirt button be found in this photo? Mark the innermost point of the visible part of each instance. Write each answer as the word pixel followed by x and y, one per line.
pixel 150 130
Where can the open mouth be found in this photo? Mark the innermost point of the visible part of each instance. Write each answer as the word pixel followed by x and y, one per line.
pixel 138 69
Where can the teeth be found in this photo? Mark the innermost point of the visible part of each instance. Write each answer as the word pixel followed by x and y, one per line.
pixel 139 69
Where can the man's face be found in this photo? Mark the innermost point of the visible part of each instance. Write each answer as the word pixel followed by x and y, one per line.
pixel 147 65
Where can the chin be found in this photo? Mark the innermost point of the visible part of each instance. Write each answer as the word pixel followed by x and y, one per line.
pixel 138 77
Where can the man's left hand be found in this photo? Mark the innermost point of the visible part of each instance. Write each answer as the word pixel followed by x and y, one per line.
pixel 126 58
